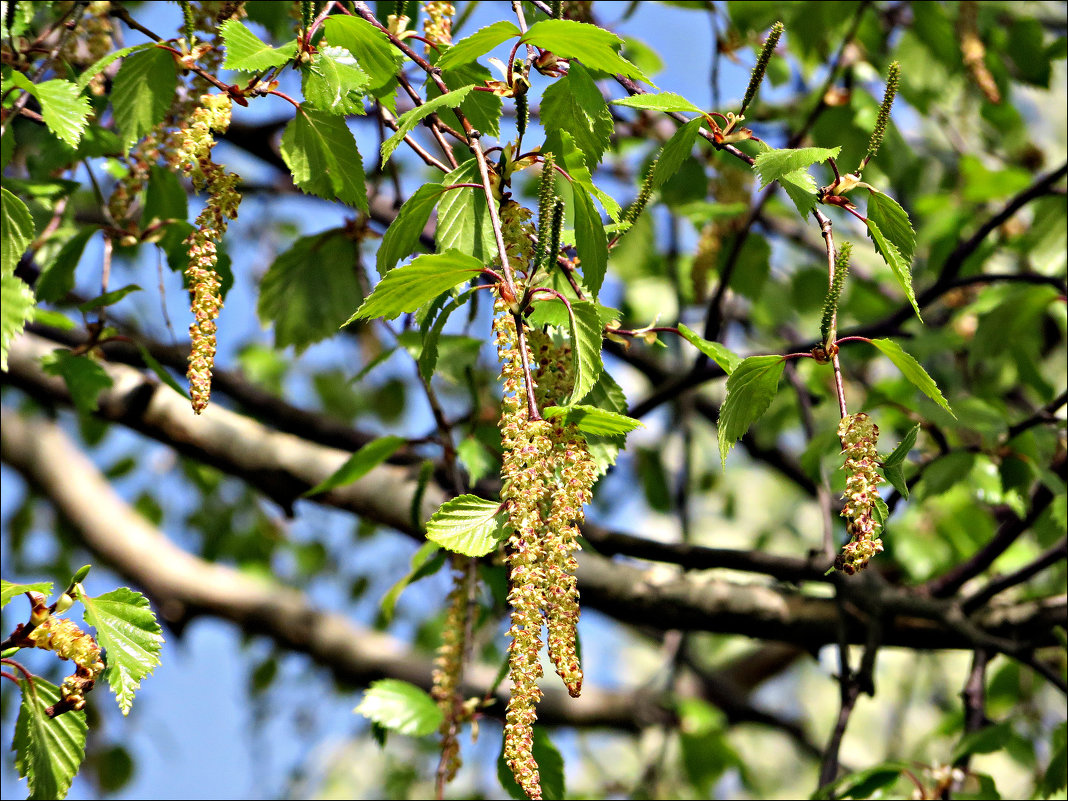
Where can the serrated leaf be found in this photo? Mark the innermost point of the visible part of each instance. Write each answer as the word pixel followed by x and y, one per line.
pixel 771 165
pixel 475 458
pixel 17 305
pixel 675 152
pixel 901 452
pixel 552 311
pixel 373 50
pixel 143 91
pixel 310 289
pixel 102 64
pixel 727 360
pixel 18 231
pixel 407 121
pixel 333 82
pixel 665 101
pixel 478 44
pixel 63 109
pixel 359 464
pixel 48 751
pixel 912 370
pixel 85 378
pixel 402 235
pixel 750 389
pixel 467 525
pixel 406 288
pixel 320 151
pixel 550 769
pixel 801 188
pixel 576 105
pixel 893 222
pixel 431 334
pixel 587 334
pixel 592 420
pixel 482 109
pixel 246 52
pixel 401 707
pixel 590 241
pixel 571 159
pixel 463 216
pixel 126 626
pixel 595 47
pixel 899 265
pixel 425 562
pixel 108 298
pixel 9 590
pixel 57 278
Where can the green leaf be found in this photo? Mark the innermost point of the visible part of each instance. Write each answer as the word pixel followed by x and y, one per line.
pixel 85 378
pixel 57 278
pixel 401 707
pixel 594 46
pixel 143 91
pixel 665 101
pixel 912 370
pixel 478 44
pixel 320 151
pixel 590 241
pixel 592 420
pixel 406 288
pixel 18 231
pixel 310 289
pixel 402 235
pixel 431 333
pixel 475 458
pixel 63 109
pixel 750 389
pixel 246 52
pixel 9 590
pixel 333 82
pixel 984 741
pixel 425 562
pixel 772 165
pixel 893 222
pixel 899 265
pixel 373 50
pixel 587 334
pixel 675 152
pixel 467 525
pixel 161 371
pixel 893 464
pixel 407 121
pixel 727 360
pixel 1055 778
pixel 571 159
pixel 48 751
pixel 482 109
pixel 576 105
pixel 16 309
pixel 801 187
pixel 864 783
pixel 126 626
pixel 463 216
pixel 108 298
pixel 105 62
pixel 550 770
pixel 165 198
pixel 359 464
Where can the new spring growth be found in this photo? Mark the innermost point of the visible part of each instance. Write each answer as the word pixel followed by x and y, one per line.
pixel 557 7
pixel 522 114
pixel 879 132
pixel 834 291
pixel 546 199
pixel 860 437
pixel 761 65
pixel 189 23
pixel 634 210
pixel 448 669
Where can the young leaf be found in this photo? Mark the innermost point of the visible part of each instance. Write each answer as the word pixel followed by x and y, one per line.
pixel 727 360
pixel 986 740
pixel 18 231
pixel 126 626
pixel 9 590
pixel 57 279
pixel 898 264
pixel 407 121
pixel 750 390
pixel 590 241
pixel 48 751
pixel 143 91
pixel 467 525
pixel 373 50
pixel 161 371
pixel 478 44
pixel 801 187
pixel 428 355
pixel 912 370
pixel 407 288
pixel 246 52
pixel 594 46
pixel 482 109
pixel 16 309
pixel 63 109
pixel 893 465
pixel 426 561
pixel 587 333
pixel 85 378
pixel 333 82
pixel 772 165
pixel 102 64
pixel 310 289
pixel 571 159
pixel 359 464
pixel 576 105
pixel 320 151
pixel 108 298
pixel 400 707
pixel 665 101
pixel 864 783
pixel 893 222
pixel 675 152
pixel 592 420
pixel 402 235
pixel 463 216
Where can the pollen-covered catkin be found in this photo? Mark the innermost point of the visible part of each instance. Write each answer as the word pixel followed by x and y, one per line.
pixel 448 668
pixel 859 437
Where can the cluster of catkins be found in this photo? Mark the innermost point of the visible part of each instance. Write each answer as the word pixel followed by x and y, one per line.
pixel 63 636
pixel 859 437
pixel 547 475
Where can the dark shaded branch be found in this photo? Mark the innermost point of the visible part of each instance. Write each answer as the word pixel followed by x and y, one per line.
pixel 1055 553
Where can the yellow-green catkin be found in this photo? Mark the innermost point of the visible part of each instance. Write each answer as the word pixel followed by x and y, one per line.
pixel 70 642
pixel 761 66
pixel 860 437
pixel 437 27
pixel 893 77
pixel 448 670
